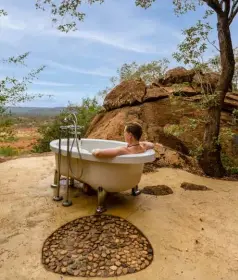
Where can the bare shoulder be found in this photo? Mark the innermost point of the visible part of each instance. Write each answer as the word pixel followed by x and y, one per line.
pixel 123 150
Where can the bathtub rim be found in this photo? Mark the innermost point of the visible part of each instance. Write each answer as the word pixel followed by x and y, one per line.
pixel 141 158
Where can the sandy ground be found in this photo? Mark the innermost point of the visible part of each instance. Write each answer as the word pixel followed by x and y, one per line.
pixel 194 234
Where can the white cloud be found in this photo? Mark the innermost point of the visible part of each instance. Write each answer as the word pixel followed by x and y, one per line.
pixel 54 84
pixel 102 72
pixel 7 22
pixel 114 40
pixel 128 35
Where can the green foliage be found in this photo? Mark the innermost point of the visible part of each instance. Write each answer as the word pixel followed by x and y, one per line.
pixel 197 150
pixel 235 77
pixel 235 116
pixel 7 133
pixel 225 137
pixel 3 13
pixel 173 129
pixel 148 72
pixel 65 8
pixel 214 65
pixel 85 112
pixel 17 59
pixel 183 6
pixel 8 151
pixel 71 9
pixel 229 163
pixel 13 91
pixel 191 50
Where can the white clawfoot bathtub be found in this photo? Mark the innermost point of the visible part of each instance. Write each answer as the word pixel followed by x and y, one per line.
pixel 112 174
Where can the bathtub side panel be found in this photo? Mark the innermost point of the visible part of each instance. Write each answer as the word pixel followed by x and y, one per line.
pixel 112 177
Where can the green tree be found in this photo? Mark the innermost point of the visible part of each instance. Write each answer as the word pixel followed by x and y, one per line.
pixel 214 64
pixel 148 72
pixel 225 11
pixel 13 90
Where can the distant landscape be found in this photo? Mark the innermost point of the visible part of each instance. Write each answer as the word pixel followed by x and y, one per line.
pixel 24 131
pixel 35 111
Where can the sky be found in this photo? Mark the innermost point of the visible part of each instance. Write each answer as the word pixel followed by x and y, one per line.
pixel 79 64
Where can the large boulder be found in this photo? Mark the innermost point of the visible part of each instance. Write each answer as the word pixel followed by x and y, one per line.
pixel 182 90
pixel 153 116
pixel 166 157
pixel 155 92
pixel 127 93
pixel 177 75
pixel 207 82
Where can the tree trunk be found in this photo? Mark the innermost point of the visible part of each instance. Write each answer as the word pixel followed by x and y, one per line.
pixel 210 160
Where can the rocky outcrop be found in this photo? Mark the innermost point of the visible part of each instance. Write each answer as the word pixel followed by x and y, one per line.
pixel 160 115
pixel 206 82
pixel 182 90
pixel 177 75
pixel 155 92
pixel 126 93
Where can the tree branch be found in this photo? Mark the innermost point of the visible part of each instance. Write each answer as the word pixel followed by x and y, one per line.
pixel 234 11
pixel 213 44
pixel 215 5
pixel 227 6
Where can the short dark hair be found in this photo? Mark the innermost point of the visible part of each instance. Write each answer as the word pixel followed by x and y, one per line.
pixel 135 129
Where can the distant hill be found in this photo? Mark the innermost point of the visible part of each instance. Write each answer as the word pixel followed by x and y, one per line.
pixel 35 111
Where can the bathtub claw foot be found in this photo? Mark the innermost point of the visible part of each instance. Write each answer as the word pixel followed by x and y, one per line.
pixel 101 200
pixel 67 203
pixel 100 210
pixel 58 198
pixel 135 191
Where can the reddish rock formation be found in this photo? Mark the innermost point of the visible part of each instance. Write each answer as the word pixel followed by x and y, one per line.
pixel 126 93
pixel 155 109
pixel 177 75
pixel 206 82
pixel 155 92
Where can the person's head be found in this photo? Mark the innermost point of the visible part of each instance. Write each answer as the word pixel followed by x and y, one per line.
pixel 133 131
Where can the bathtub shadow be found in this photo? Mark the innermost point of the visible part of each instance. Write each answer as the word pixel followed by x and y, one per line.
pixel 114 201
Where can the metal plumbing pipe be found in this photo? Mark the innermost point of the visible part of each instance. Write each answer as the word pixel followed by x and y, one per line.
pixel 67 202
pixel 57 197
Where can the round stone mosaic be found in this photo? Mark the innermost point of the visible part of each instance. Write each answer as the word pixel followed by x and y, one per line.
pixel 97 246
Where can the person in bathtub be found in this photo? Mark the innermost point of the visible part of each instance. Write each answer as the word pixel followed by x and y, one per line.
pixel 132 135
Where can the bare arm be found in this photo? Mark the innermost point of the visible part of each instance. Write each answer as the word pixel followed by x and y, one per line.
pixel 147 145
pixel 150 145
pixel 107 153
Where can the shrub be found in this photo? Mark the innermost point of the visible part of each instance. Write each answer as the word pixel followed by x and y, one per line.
pixel 7 133
pixel 50 131
pixel 8 151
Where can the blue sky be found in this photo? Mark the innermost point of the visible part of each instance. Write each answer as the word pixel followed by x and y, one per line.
pixel 79 64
